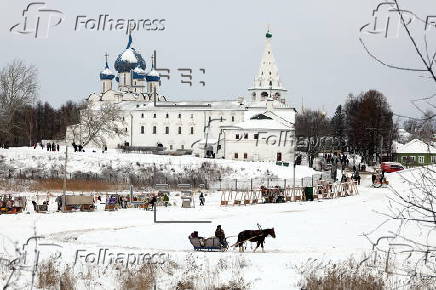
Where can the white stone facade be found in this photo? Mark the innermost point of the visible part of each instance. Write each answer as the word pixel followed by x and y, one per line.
pixel 150 119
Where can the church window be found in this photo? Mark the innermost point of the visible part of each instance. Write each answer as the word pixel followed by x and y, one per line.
pixel 167 116
pixel 270 83
pixel 245 136
pixel 264 94
pixel 142 129
pixel 233 118
pixel 245 155
pixel 237 136
pixel 154 129
pixel 269 73
pixel 192 130
pixel 236 155
pixel 180 116
pixel 192 116
pixel 123 119
pixel 167 130
pixel 180 130
pixel 142 115
pixel 171 147
pixel 126 129
pixel 154 115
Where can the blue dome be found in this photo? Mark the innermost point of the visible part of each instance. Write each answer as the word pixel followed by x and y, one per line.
pixel 153 76
pixel 129 59
pixel 106 74
pixel 138 73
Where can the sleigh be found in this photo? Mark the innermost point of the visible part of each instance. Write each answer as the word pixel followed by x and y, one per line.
pixel 12 205
pixel 209 245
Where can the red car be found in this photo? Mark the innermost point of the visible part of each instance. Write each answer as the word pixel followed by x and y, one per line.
pixel 390 167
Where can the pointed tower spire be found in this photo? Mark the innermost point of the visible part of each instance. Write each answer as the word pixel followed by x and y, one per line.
pixel 130 40
pixel 106 55
pixel 267 83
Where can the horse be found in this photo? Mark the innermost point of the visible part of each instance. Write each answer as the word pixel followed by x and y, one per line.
pixel 257 236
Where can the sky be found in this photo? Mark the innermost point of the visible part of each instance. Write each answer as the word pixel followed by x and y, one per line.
pixel 315 43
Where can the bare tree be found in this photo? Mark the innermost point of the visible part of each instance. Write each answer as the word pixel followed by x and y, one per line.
pixel 411 245
pixel 98 121
pixel 313 129
pixel 18 88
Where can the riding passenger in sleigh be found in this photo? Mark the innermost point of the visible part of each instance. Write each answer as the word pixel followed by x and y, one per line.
pixel 194 235
pixel 219 233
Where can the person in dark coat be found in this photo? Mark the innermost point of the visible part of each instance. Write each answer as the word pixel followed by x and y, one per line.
pixel 202 199
pixel 219 233
pixel 59 202
pixel 153 202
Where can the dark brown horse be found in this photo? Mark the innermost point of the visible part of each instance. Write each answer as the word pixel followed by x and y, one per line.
pixel 254 236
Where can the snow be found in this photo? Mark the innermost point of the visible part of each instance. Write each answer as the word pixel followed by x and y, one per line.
pixel 107 71
pixel 416 146
pixel 153 73
pixel 139 70
pixel 25 158
pixel 129 56
pixel 262 124
pixel 326 230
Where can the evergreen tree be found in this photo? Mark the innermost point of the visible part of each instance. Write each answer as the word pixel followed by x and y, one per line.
pixel 337 125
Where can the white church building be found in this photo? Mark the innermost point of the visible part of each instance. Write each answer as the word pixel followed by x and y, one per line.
pixel 258 127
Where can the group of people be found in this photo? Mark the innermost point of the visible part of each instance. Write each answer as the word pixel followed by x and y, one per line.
pixel 50 146
pixel 273 195
pixel 6 205
pixel 4 145
pixel 378 177
pixel 77 148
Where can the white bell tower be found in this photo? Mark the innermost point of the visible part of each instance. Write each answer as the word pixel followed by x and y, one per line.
pixel 267 83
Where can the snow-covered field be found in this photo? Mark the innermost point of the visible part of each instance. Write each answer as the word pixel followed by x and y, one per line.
pixel 326 229
pixel 29 159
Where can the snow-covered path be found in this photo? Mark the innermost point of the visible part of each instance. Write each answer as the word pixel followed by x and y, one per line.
pixel 328 229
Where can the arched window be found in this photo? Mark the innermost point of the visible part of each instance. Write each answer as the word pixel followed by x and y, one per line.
pixel 264 95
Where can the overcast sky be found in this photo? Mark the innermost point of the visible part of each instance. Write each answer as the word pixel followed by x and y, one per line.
pixel 315 43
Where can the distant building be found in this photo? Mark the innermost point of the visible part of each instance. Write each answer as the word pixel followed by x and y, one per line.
pixel 415 153
pixel 208 128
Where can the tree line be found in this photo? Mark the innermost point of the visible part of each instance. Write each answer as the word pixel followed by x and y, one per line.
pixel 363 125
pixel 24 120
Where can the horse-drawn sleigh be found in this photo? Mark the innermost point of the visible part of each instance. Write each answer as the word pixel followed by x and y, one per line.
pixel 209 244
pixel 221 244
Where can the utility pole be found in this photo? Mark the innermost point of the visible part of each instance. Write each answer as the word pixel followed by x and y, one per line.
pixel 295 152
pixel 65 175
